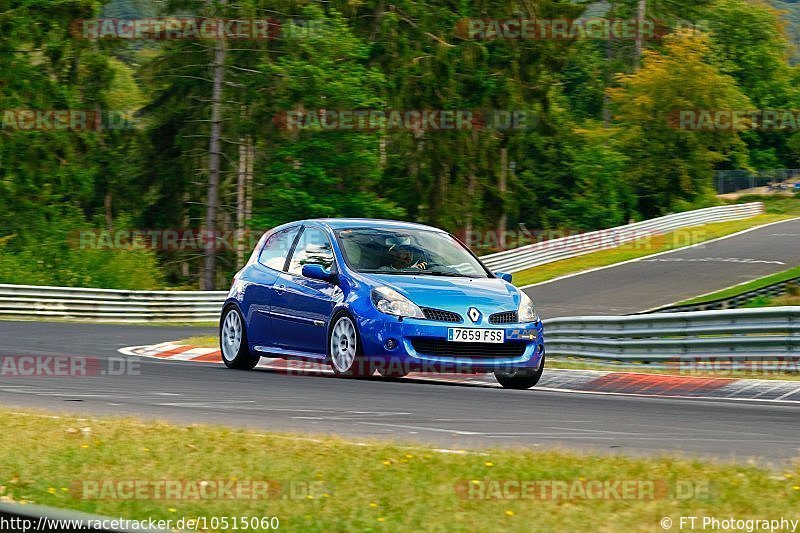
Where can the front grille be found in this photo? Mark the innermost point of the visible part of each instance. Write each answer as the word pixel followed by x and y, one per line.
pixel 443 348
pixel 506 317
pixel 441 316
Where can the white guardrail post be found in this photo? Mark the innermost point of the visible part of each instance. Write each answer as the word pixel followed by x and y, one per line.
pixel 540 253
pixel 111 305
pixel 204 306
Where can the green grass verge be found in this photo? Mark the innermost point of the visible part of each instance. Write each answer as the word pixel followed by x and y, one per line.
pixel 644 247
pixel 201 341
pixel 779 205
pixel 369 486
pixel 745 287
pixel 778 301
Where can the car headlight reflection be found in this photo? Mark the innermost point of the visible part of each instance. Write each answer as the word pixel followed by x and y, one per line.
pixel 391 302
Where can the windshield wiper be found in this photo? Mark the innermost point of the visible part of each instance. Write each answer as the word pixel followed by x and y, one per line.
pixel 393 272
pixel 446 274
pixel 418 272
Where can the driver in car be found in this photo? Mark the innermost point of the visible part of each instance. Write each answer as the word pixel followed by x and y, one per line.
pixel 403 258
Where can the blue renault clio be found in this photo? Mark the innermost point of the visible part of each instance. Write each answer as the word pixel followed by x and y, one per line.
pixel 376 295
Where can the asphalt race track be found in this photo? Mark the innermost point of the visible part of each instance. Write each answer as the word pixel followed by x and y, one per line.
pixel 667 278
pixel 445 415
pixel 450 416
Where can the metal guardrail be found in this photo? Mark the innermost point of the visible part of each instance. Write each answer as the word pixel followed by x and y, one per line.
pixel 733 302
pixel 110 304
pixel 544 252
pixel 741 334
pixel 738 333
pixel 199 306
pixel 113 305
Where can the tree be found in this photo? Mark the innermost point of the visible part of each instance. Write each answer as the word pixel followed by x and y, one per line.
pixel 313 171
pixel 671 168
pixel 54 181
pixel 748 43
pixel 601 197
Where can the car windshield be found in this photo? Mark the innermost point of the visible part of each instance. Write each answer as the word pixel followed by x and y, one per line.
pixel 407 251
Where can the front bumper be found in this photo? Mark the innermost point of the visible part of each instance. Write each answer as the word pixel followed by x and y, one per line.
pixel 412 336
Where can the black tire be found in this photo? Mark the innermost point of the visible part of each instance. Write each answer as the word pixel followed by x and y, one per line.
pixel 358 367
pixel 520 378
pixel 242 358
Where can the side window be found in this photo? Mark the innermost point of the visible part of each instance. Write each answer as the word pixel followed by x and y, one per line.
pixel 276 249
pixel 313 248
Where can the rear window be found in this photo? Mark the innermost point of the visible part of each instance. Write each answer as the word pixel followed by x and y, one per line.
pixel 276 249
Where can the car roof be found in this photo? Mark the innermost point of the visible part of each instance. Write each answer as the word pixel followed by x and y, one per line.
pixel 375 223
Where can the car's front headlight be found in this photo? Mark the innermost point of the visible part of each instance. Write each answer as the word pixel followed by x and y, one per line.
pixel 391 302
pixel 526 311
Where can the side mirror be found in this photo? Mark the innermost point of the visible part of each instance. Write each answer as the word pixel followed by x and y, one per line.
pixel 504 276
pixel 316 272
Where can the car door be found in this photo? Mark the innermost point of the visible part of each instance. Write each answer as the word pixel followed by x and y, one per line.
pixel 272 262
pixel 301 307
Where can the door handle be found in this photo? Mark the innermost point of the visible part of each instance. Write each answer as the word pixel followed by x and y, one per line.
pixel 280 288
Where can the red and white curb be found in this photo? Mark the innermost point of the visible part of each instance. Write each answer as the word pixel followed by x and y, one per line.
pixel 558 380
pixel 175 352
pixel 171 351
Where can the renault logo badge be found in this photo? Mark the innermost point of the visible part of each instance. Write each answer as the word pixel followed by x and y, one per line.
pixel 474 314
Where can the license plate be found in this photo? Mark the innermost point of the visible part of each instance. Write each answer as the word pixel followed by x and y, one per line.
pixel 495 336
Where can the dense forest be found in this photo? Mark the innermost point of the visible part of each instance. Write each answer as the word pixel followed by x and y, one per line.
pixel 203 144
